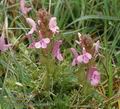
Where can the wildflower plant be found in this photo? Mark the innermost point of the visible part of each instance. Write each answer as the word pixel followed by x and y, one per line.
pixel 44 37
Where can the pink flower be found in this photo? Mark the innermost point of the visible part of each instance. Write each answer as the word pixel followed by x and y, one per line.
pixel 32 23
pixel 97 46
pixel 75 61
pixel 94 76
pixel 3 45
pixel 56 50
pixel 42 43
pixel 23 8
pixel 85 57
pixel 53 25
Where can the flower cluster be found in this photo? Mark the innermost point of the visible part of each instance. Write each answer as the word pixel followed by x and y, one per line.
pixel 46 27
pixel 89 52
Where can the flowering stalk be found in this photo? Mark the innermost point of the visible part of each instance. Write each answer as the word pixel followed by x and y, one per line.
pixel 88 57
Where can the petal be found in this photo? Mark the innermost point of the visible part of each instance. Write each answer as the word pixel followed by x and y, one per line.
pixel 88 55
pixel 37 45
pixel 43 45
pixel 94 83
pixel 53 25
pixel 59 57
pixel 74 52
pixel 56 47
pixel 46 40
pixel 23 8
pixel 32 23
pixel 97 46
pixel 52 22
pixel 96 75
pixel 80 58
pixel 3 45
pixel 93 76
pixel 30 32
pixel 85 59
pixel 74 62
